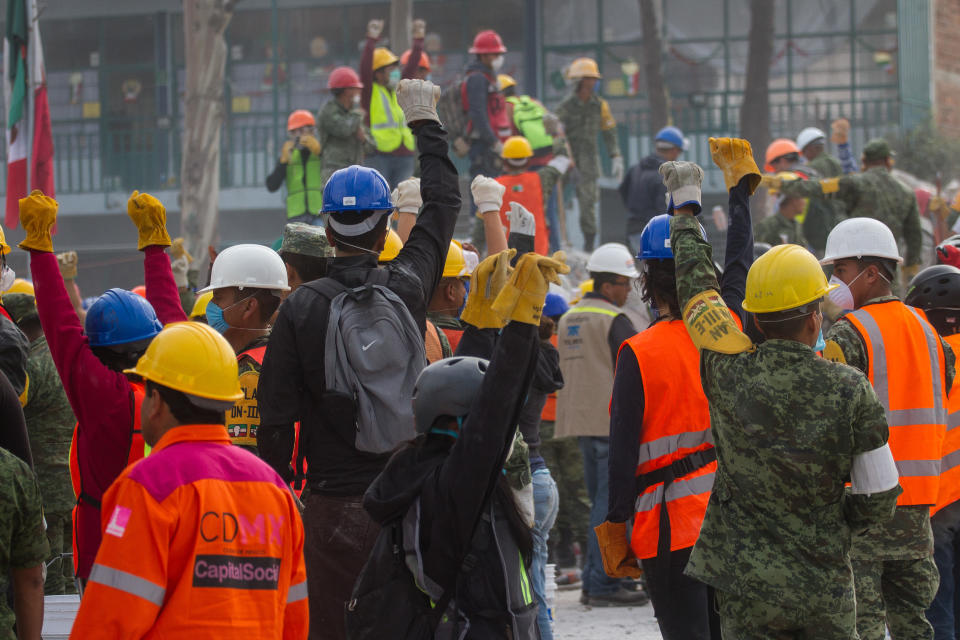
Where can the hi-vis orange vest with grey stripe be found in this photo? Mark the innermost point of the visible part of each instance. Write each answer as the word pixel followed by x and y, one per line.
pixel 950 460
pixel 906 367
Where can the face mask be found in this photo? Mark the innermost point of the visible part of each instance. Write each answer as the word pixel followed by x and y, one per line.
pixel 596 86
pixel 394 80
pixel 356 100
pixel 7 278
pixel 466 285
pixel 842 296
pixel 821 343
pixel 497 63
pixel 215 316
pixel 429 77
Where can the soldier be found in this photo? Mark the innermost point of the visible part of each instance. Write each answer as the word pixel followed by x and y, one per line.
pixel 584 115
pixel 306 253
pixel 50 422
pixel 342 134
pixel 782 227
pixel 811 143
pixel 871 194
pixel 778 524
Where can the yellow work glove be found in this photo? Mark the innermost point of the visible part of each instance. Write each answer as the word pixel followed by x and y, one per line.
pixel 285 151
pixel 734 156
pixel 38 214
pixel 151 219
pixel 67 262
pixel 177 250
pixel 521 299
pixel 619 560
pixel 486 282
pixel 310 143
pixel 771 182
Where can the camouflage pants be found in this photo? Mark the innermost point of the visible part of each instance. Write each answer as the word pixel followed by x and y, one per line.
pixel 743 618
pixel 565 462
pixel 587 196
pixel 59 569
pixel 894 593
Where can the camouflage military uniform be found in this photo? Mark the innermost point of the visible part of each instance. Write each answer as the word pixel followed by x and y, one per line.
pixel 583 122
pixel 823 214
pixel 22 543
pixel 338 137
pixel 777 229
pixel 786 425
pixel 306 240
pixel 826 165
pixel 893 566
pixel 565 461
pixel 872 194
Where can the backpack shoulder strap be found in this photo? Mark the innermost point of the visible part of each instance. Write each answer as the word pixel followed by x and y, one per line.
pixel 377 276
pixel 327 287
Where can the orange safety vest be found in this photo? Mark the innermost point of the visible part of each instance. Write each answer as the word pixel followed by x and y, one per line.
pixel 906 362
pixel 526 189
pixel 950 460
pixel 550 407
pixel 453 337
pixel 431 343
pixel 677 462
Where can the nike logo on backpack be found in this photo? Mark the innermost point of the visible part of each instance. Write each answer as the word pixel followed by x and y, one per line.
pixel 367 346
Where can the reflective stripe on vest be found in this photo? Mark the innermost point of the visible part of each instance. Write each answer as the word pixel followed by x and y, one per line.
pixel 387 121
pixel 304 185
pixel 526 189
pixel 911 392
pixel 606 312
pixel 128 583
pixel 297 592
pixel 528 119
pixel 950 462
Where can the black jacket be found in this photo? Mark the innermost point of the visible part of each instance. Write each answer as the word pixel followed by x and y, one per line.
pixel 643 193
pixel 292 379
pixel 478 88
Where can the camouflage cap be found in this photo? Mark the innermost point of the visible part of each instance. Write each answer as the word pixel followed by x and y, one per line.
pixel 306 240
pixel 876 150
pixel 20 306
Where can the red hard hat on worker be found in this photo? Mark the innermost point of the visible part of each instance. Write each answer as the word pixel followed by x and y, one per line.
pixel 777 149
pixel 300 118
pixel 342 78
pixel 487 42
pixel 423 63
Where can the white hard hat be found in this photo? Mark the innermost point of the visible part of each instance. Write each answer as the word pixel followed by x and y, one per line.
pixel 612 257
pixel 808 135
pixel 248 266
pixel 861 238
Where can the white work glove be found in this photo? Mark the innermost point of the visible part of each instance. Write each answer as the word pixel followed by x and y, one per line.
pixel 179 268
pixel 682 180
pixel 487 194
pixel 560 163
pixel 374 29
pixel 419 29
pixel 616 168
pixel 418 99
pixel 406 197
pixel 521 220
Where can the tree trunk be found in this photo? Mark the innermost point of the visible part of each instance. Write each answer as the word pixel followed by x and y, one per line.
pixel 204 23
pixel 401 20
pixel 755 110
pixel 657 92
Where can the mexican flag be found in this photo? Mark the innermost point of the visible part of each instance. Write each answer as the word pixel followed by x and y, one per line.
pixel 27 108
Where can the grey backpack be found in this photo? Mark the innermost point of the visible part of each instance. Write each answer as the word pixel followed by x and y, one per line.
pixel 373 355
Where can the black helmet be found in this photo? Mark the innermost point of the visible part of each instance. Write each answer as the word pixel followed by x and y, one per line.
pixel 760 248
pixel 936 290
pixel 447 388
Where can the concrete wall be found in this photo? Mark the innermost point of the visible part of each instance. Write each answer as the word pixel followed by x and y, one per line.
pixel 946 66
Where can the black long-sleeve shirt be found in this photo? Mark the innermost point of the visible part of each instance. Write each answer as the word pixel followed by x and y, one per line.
pixel 292 379
pixel 628 402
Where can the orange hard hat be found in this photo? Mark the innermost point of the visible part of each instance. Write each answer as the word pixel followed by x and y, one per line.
pixel 300 118
pixel 424 59
pixel 140 290
pixel 344 78
pixel 488 42
pixel 778 148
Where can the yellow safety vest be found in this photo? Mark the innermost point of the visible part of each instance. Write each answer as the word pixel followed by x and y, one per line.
pixel 387 121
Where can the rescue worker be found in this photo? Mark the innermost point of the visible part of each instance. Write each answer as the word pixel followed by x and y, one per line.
pixel 523 186
pixel 423 63
pixel 300 168
pixel 24 550
pixel 393 141
pixel 585 115
pixel 203 540
pixel 342 132
pixel 589 337
pixel 90 357
pixel 812 145
pixel 487 123
pixel 782 227
pixel 875 193
pixel 911 369
pixel 778 524
pixel 306 253
pixel 199 311
pixel 642 190
pixel 293 382
pixel 50 423
pixel 448 298
pixel 936 290
pixel 247 282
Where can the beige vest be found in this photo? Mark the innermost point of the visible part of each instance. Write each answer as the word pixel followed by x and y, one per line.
pixel 583 404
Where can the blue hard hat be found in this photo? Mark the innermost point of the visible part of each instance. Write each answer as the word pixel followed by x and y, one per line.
pixel 120 317
pixel 555 305
pixel 672 135
pixel 356 188
pixel 655 239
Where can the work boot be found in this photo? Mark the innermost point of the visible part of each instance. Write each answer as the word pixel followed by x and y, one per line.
pixel 588 242
pixel 619 598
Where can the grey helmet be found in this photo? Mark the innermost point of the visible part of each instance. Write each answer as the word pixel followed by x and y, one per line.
pixel 447 388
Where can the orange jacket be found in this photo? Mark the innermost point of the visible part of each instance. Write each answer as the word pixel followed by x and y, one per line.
pixel 950 461
pixel 201 540
pixel 526 189
pixel 676 424
pixel 906 363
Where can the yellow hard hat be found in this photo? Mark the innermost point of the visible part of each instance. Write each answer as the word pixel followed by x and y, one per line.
pixel 455 266
pixel 504 81
pixel 586 287
pixel 517 148
pixel 193 358
pixel 4 247
pixel 786 277
pixel 21 286
pixel 200 305
pixel 391 248
pixel 583 68
pixel 383 57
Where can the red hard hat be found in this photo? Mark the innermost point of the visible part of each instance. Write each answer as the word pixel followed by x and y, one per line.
pixel 140 290
pixel 778 148
pixel 344 78
pixel 424 59
pixel 300 118
pixel 488 42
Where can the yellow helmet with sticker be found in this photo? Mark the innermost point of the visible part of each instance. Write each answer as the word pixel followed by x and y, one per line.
pixel 786 277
